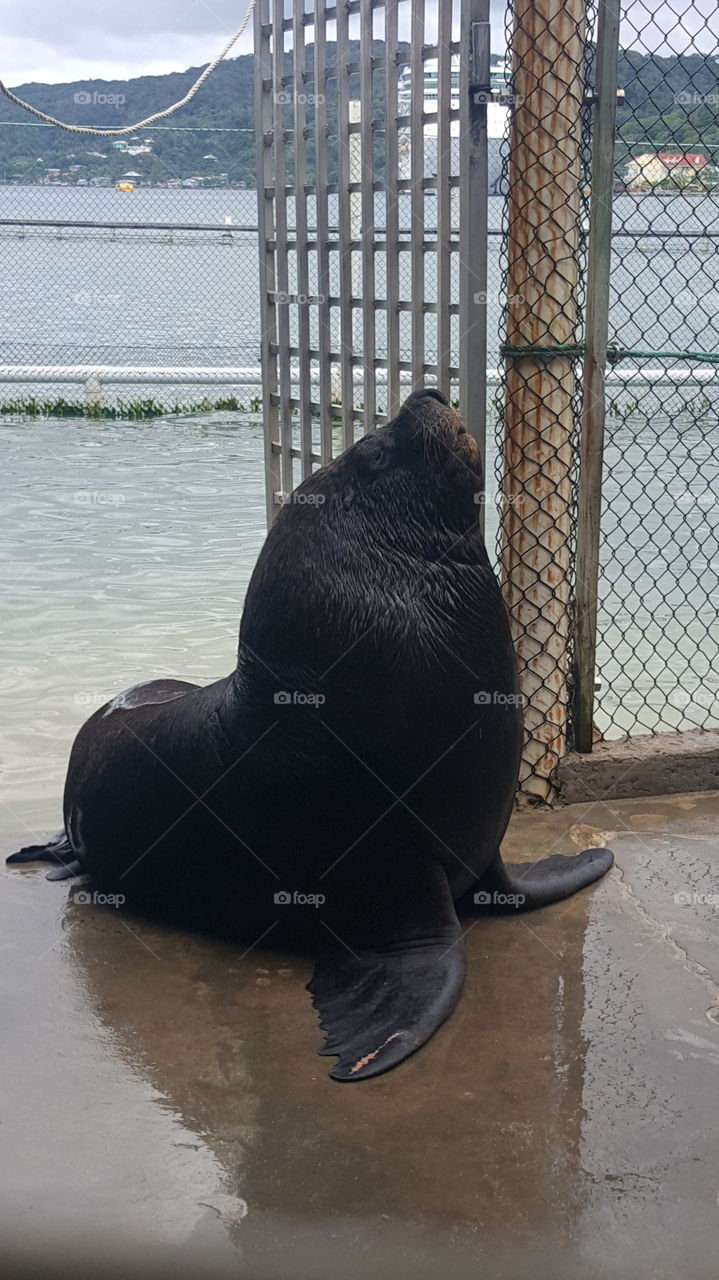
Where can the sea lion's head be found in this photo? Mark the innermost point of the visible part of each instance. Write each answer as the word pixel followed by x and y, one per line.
pixel 416 481
pixel 361 532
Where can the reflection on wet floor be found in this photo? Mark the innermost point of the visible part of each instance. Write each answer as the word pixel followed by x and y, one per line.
pixel 167 1087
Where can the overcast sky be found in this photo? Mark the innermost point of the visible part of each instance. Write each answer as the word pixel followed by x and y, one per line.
pixel 51 41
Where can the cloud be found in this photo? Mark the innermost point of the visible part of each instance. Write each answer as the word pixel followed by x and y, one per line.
pixel 50 43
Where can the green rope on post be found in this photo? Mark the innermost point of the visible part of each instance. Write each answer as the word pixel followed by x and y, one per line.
pixel 576 350
pixel 573 350
pixel 615 354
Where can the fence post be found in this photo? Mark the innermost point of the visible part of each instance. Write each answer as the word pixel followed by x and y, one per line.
pixel 548 39
pixel 591 447
pixel 474 94
pixel 266 226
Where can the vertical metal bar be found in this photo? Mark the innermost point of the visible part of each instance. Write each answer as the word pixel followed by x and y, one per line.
pixel 417 162
pixel 473 97
pixel 391 162
pixel 322 219
pixel 591 447
pixel 344 216
pixel 444 155
pixel 266 227
pixel 369 344
pixel 282 273
pixel 303 278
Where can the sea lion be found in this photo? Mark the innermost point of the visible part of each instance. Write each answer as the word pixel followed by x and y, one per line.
pixel 353 777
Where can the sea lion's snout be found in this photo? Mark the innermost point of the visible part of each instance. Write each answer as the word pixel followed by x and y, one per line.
pixel 430 411
pixel 434 392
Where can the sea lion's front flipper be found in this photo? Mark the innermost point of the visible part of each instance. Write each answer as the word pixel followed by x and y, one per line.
pixel 390 966
pixel 523 886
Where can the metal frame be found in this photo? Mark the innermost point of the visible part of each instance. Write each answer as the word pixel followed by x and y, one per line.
pixel 589 503
pixel 473 194
pixel 333 338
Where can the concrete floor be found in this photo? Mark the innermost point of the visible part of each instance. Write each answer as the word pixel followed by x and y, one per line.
pixel 160 1089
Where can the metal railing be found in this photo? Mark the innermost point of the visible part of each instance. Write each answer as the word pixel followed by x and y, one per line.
pixel 392 293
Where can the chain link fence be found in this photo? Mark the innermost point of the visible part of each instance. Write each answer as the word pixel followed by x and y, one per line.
pixel 657 636
pixel 130 270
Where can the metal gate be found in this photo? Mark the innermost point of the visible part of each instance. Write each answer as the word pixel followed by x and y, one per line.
pixel 372 195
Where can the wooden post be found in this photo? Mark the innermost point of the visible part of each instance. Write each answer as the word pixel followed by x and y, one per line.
pixel 543 235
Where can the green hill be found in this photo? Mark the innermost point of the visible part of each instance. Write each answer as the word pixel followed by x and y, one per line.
pixel 193 142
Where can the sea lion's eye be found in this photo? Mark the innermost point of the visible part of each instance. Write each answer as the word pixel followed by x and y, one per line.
pixel 375 454
pixel 381 459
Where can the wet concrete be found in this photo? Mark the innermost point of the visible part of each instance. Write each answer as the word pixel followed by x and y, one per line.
pixel 163 1089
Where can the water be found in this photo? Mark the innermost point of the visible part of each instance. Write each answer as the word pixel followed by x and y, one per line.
pixel 142 298
pixel 128 549
pixel 195 300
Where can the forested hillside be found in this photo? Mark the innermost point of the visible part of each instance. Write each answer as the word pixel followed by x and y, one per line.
pixel 671 103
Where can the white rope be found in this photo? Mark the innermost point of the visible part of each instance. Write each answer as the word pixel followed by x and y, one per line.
pixel 159 115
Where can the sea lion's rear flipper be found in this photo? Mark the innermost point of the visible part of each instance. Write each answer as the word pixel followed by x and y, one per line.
pixel 67 872
pixel 390 966
pixel 58 849
pixel 523 886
